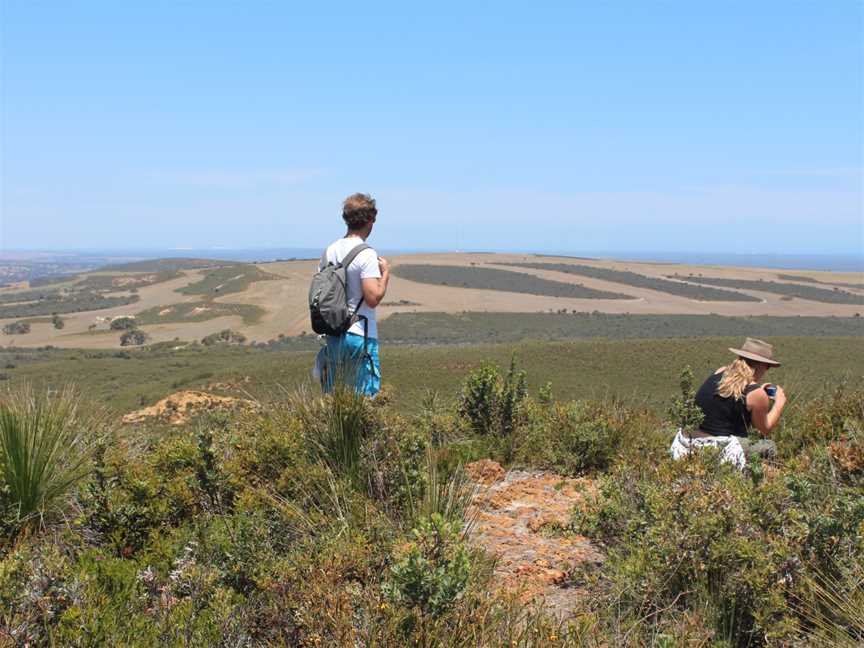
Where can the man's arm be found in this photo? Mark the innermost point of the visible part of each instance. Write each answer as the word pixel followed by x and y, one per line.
pixel 375 289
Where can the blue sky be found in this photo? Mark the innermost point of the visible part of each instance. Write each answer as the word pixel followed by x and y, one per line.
pixel 583 126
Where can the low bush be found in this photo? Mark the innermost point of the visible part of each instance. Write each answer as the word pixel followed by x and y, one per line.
pixel 134 337
pixel 334 521
pixel 225 336
pixel 123 323
pixel 17 328
pixel 433 570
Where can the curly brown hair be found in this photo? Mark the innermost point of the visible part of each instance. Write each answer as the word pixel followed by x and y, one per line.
pixel 358 209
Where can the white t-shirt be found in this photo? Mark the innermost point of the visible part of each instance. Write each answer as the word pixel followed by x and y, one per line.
pixel 364 266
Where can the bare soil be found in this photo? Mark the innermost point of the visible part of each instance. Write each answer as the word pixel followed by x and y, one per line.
pixel 180 407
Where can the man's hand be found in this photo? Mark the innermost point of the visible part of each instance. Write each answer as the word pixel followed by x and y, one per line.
pixel 383 265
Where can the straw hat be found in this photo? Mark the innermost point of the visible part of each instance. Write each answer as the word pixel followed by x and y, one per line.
pixel 757 350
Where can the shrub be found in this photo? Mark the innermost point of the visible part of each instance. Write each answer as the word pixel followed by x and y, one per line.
pixel 698 535
pixel 433 571
pixel 489 402
pixel 683 411
pixel 570 438
pixel 57 321
pixel 226 336
pixel 46 444
pixel 135 337
pixel 17 328
pixel 122 323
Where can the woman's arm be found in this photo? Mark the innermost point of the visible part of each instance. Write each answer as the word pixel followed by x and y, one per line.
pixel 763 416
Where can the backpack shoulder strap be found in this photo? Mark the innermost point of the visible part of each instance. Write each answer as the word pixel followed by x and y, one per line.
pixel 353 255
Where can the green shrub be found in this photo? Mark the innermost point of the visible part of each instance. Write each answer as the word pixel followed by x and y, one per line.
pixel 683 411
pixel 489 402
pixel 17 328
pixel 225 336
pixel 433 571
pixel 46 444
pixel 135 337
pixel 123 323
pixel 570 438
pixel 699 535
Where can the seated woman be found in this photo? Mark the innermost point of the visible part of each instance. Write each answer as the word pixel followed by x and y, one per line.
pixel 734 399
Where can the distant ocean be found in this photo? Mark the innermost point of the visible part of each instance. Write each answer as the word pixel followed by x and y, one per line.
pixel 829 262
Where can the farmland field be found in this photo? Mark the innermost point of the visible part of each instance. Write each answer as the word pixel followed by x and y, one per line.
pixel 493 279
pixel 445 328
pixel 835 296
pixel 225 280
pixel 642 281
pixel 197 311
pixel 268 300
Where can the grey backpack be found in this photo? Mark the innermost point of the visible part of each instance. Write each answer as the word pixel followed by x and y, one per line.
pixel 328 297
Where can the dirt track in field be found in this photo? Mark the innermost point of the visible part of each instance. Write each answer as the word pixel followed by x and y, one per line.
pixel 284 299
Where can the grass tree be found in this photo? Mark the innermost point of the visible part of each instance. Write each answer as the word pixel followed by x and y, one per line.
pixel 46 443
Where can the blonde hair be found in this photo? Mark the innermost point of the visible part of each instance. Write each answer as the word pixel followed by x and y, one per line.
pixel 735 379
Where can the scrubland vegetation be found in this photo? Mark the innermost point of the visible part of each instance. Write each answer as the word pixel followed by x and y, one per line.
pixel 336 521
pixel 78 294
pixel 633 370
pixel 35 303
pixel 642 281
pixel 833 296
pixel 198 311
pixel 475 327
pixel 226 279
pixel 495 279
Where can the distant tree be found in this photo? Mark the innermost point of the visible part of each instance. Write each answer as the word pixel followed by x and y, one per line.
pixel 57 321
pixel 225 336
pixel 134 337
pixel 17 328
pixel 122 323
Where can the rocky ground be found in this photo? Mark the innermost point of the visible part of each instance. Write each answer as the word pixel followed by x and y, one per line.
pixel 180 407
pixel 521 518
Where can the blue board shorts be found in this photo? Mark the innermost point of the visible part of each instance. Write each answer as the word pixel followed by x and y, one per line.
pixel 343 359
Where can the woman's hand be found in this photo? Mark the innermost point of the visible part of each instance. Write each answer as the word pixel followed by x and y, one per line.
pixel 780 396
pixel 764 415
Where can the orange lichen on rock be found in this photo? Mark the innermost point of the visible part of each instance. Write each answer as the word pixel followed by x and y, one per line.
pixel 522 518
pixel 485 471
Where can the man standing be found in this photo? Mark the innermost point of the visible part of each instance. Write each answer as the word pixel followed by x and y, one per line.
pixel 353 356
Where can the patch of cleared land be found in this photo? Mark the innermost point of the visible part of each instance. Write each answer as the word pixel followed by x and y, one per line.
pixel 504 280
pixel 811 293
pixel 642 281
pixel 280 307
pixel 227 279
pixel 198 311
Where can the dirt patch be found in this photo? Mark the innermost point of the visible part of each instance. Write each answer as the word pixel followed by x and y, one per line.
pixel 521 518
pixel 180 407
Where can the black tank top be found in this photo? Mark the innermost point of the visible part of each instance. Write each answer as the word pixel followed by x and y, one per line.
pixel 723 416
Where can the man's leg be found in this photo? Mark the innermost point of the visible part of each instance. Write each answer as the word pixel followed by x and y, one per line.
pixel 366 372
